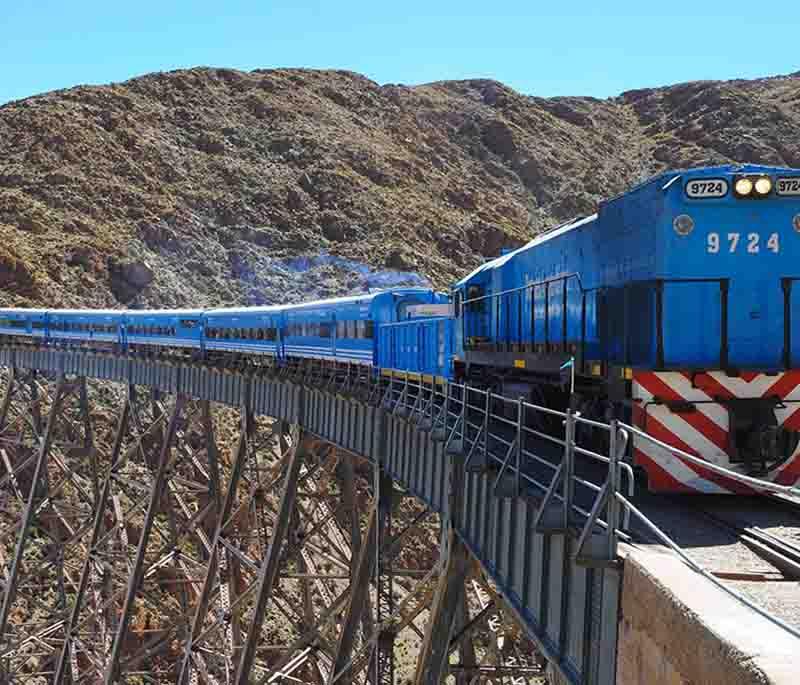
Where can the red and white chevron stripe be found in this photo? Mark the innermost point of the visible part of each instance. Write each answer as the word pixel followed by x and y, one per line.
pixel 704 431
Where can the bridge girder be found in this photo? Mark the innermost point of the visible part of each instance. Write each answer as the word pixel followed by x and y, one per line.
pixel 192 543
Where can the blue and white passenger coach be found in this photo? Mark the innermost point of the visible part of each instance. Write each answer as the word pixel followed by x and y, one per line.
pixel 178 329
pixel 678 302
pixel 243 330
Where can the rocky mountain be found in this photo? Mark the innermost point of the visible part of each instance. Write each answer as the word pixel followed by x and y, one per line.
pixel 209 187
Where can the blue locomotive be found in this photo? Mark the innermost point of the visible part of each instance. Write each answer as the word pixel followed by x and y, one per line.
pixel 673 306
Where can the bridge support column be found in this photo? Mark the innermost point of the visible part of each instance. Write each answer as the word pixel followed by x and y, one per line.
pixel 359 593
pixel 36 497
pixel 213 578
pixel 136 573
pixel 269 567
pixel 432 661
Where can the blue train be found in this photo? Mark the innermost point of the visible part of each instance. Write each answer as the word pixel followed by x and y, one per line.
pixel 340 330
pixel 673 306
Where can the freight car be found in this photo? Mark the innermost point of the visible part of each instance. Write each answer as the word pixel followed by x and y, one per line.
pixel 676 305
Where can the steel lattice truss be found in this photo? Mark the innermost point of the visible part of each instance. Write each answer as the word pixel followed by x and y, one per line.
pixel 158 539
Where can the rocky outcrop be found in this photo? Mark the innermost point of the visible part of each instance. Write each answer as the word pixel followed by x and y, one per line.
pixel 199 187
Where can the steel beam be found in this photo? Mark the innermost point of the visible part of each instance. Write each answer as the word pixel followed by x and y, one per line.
pixel 224 512
pixel 156 493
pixel 359 591
pixel 89 561
pixel 383 655
pixel 432 661
pixel 268 572
pixel 30 507
pixel 359 585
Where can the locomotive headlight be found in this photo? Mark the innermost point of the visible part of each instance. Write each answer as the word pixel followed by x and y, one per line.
pixel 796 222
pixel 764 185
pixel 744 186
pixel 683 224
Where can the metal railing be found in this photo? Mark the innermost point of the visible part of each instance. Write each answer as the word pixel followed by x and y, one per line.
pixel 515 440
pixel 500 435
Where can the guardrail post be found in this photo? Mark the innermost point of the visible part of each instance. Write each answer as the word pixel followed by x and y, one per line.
pixel 569 466
pixel 552 518
pixel 520 429
pixel 437 433
pixel 612 515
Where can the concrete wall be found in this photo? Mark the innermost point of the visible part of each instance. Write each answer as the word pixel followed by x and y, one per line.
pixel 677 628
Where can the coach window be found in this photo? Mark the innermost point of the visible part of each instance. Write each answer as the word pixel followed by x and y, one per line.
pixel 324 330
pixel 340 329
pixel 351 329
pixel 369 332
pixel 361 329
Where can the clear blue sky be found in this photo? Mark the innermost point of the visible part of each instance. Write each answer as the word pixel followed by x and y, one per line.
pixel 551 47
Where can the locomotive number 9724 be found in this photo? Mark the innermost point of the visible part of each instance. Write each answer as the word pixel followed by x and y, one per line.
pixel 707 188
pixel 732 240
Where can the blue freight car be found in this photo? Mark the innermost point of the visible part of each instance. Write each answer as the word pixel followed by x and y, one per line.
pixel 677 302
pixel 417 348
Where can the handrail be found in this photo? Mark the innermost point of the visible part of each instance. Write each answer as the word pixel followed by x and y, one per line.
pixel 537 284
pixel 474 434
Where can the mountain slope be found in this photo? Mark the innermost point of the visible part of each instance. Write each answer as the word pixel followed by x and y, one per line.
pixel 213 187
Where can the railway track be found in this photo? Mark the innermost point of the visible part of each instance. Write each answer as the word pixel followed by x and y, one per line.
pixel 781 553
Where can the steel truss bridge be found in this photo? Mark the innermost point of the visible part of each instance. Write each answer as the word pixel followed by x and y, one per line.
pixel 211 530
